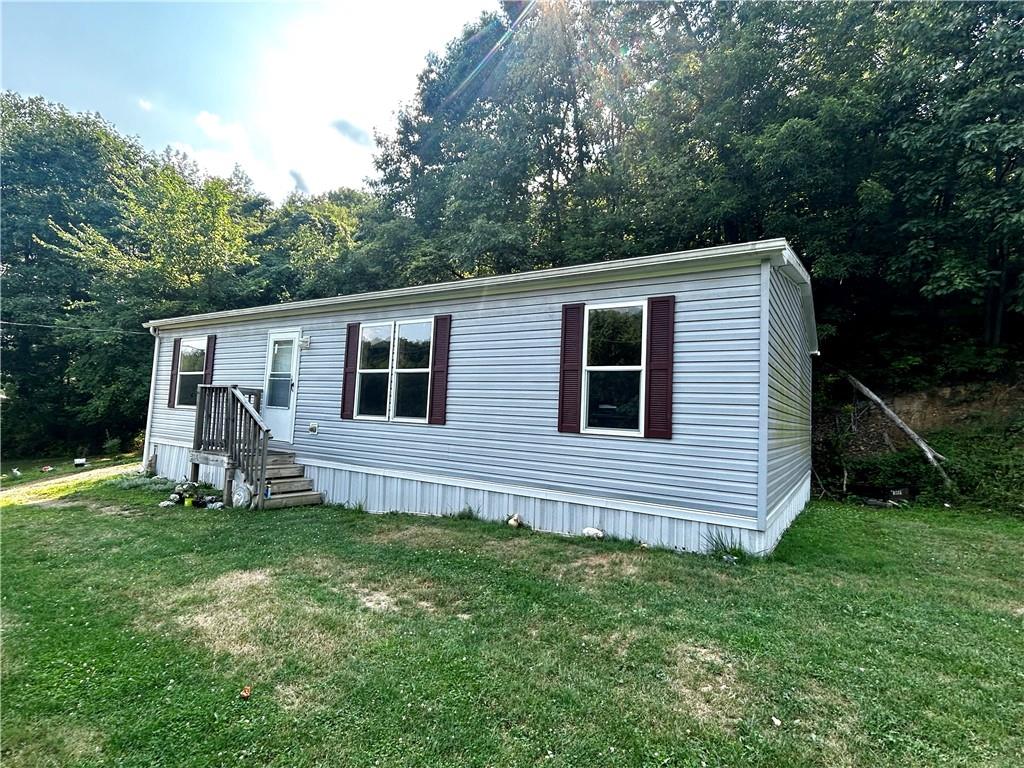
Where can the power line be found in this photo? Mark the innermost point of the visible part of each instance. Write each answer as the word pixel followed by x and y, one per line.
pixel 74 328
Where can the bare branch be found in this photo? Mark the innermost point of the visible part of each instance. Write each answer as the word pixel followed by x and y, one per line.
pixel 933 456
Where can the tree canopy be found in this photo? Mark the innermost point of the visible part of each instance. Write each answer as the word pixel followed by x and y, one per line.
pixel 883 140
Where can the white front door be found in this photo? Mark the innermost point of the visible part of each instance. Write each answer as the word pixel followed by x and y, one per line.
pixel 281 383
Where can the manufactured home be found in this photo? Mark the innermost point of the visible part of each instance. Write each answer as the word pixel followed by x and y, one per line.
pixel 664 399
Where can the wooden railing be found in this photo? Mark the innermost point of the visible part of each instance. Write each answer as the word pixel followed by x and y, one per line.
pixel 229 425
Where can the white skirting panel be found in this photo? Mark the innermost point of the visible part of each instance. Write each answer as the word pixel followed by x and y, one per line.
pixel 780 518
pixel 383 493
pixel 172 462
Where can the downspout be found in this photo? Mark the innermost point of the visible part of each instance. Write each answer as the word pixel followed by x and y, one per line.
pixel 152 394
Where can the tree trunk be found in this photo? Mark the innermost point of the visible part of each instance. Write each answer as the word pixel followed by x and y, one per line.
pixel 933 456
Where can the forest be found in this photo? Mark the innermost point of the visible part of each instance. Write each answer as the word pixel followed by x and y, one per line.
pixel 884 140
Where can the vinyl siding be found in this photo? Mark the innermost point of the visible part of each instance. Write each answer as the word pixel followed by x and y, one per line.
pixel 789 393
pixel 503 396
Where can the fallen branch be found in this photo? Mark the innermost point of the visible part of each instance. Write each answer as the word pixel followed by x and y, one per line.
pixel 824 490
pixel 933 456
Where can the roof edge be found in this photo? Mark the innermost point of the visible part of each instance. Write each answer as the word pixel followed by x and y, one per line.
pixel 702 258
pixel 789 263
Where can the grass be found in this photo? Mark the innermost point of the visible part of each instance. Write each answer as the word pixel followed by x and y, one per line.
pixel 32 469
pixel 872 637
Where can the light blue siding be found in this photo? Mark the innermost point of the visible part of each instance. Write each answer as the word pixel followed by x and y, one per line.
pixel 789 395
pixel 502 396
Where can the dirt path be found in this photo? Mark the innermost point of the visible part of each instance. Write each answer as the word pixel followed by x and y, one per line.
pixel 89 475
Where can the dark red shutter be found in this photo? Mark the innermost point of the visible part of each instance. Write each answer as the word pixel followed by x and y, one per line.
pixel 172 388
pixel 661 315
pixel 438 406
pixel 570 380
pixel 211 351
pixel 348 381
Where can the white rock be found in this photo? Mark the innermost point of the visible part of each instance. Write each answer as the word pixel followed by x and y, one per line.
pixel 593 533
pixel 166 504
pixel 776 722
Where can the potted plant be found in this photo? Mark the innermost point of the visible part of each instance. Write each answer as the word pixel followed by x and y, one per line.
pixel 190 493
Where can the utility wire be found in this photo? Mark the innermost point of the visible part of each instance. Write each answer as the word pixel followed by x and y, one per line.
pixel 74 328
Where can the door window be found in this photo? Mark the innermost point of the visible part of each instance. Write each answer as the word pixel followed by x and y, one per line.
pixel 279 383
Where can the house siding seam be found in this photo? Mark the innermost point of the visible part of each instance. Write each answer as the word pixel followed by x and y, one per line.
pixel 788 396
pixel 503 396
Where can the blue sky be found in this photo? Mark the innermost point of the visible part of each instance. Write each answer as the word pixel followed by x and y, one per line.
pixel 290 91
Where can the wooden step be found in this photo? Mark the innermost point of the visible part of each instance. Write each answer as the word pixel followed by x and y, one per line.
pixel 274 471
pixel 280 457
pixel 289 484
pixel 296 499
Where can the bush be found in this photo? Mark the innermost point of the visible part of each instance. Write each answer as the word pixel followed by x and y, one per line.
pixel 112 445
pixel 139 442
pixel 984 460
pixel 137 482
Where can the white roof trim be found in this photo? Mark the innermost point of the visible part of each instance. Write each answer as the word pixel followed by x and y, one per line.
pixel 791 267
pixel 604 271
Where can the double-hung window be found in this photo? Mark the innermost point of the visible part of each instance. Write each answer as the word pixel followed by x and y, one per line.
pixel 191 367
pixel 614 359
pixel 393 373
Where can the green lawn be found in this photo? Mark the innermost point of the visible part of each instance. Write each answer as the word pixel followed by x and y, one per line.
pixel 31 470
pixel 872 637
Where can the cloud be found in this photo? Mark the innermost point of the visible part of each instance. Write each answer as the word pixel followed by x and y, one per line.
pixel 145 104
pixel 217 129
pixel 281 118
pixel 227 144
pixel 300 183
pixel 352 132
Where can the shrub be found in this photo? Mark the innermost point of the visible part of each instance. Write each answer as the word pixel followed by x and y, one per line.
pixel 985 460
pixel 112 445
pixel 142 482
pixel 139 442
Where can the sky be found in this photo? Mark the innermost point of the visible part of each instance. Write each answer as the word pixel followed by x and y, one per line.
pixel 290 91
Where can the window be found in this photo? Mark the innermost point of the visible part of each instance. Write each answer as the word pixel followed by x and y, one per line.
pixel 613 368
pixel 393 373
pixel 279 380
pixel 191 366
pixel 412 370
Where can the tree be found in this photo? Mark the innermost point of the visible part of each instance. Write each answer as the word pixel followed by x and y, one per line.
pixel 56 167
pixel 181 247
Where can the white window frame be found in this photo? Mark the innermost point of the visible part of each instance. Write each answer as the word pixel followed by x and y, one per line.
pixel 360 371
pixel 587 368
pixel 204 342
pixel 396 371
pixel 392 371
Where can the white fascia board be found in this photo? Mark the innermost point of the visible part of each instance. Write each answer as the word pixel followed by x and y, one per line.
pixel 584 274
pixel 787 261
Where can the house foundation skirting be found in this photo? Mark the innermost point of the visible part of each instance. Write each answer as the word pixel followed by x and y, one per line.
pixel 379 492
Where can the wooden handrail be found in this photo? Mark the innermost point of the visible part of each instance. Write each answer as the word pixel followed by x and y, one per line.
pixel 249 409
pixel 228 423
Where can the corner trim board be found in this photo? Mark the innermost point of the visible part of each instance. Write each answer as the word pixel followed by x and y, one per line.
pixel 147 444
pixel 764 362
